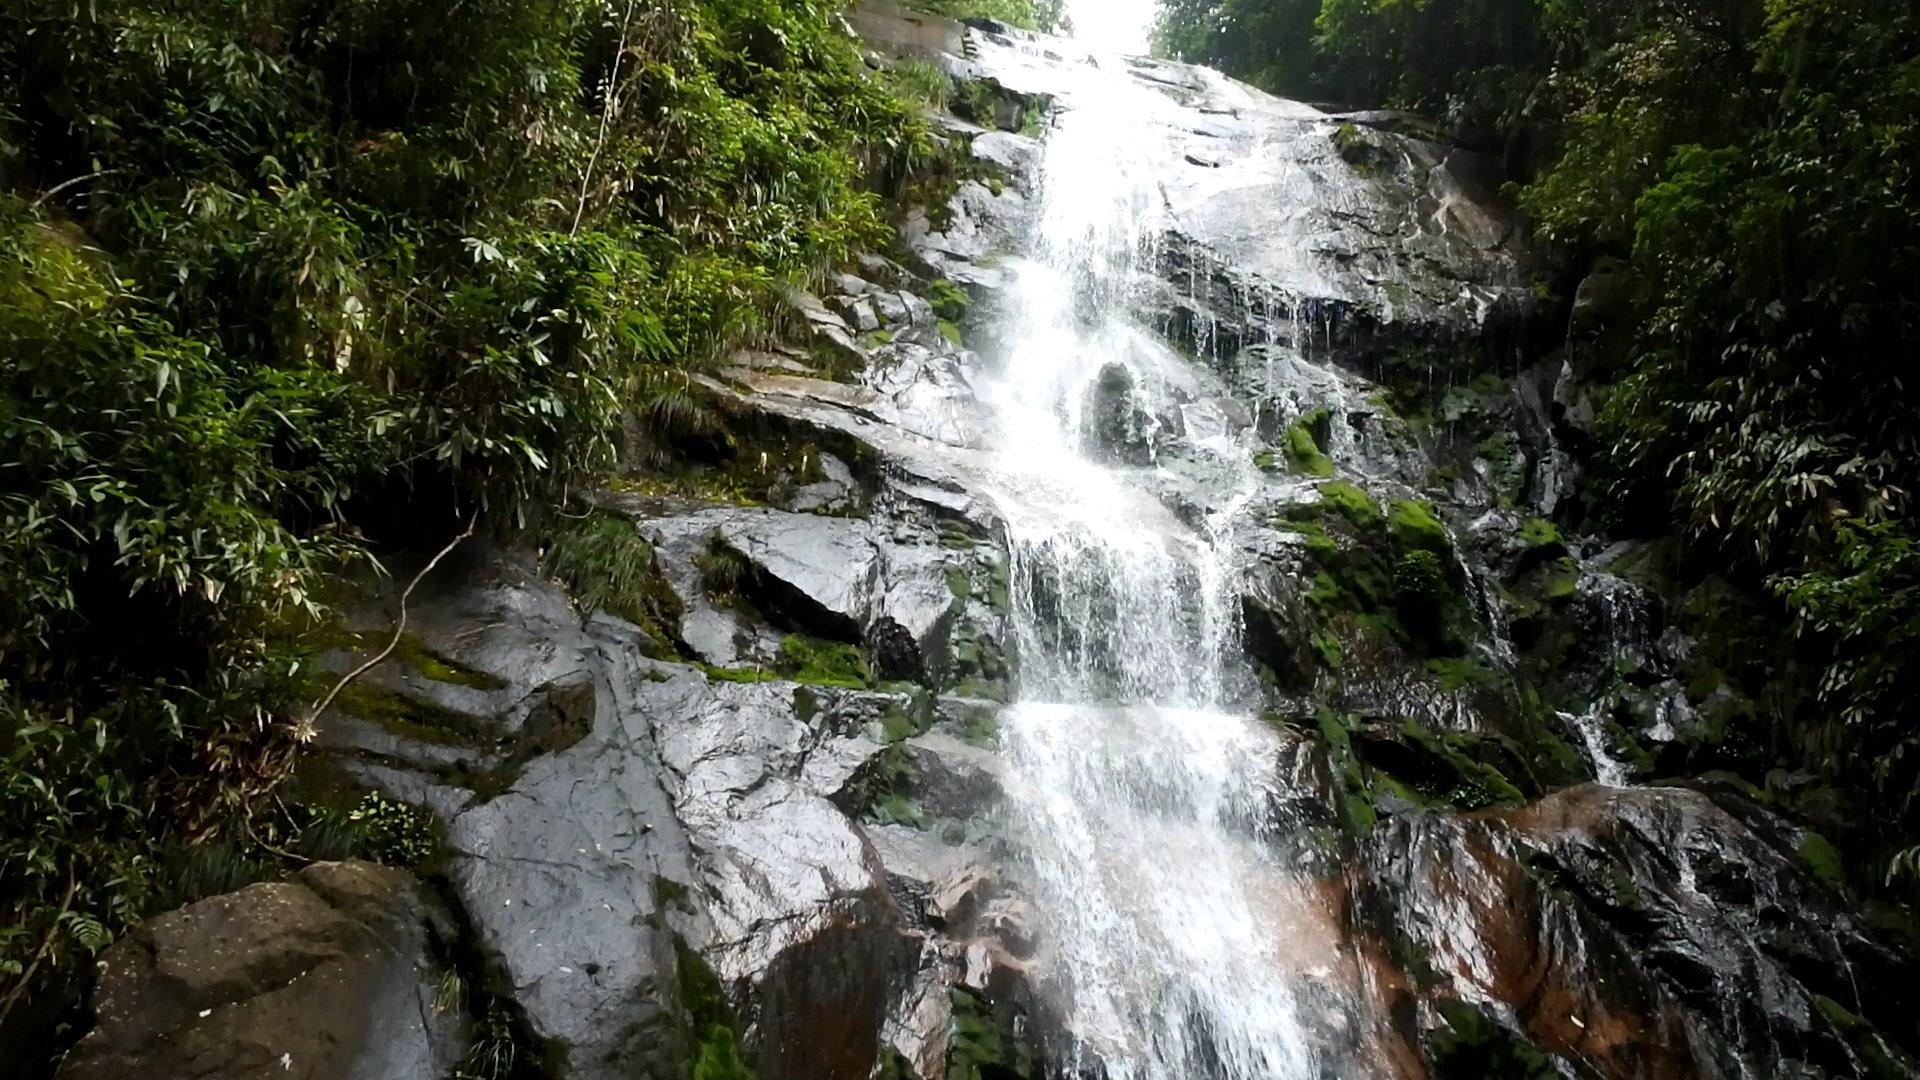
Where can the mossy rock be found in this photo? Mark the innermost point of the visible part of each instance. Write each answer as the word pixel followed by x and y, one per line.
pixel 1305 443
pixel 713 1045
pixel 1352 504
pixel 1414 524
pixel 823 663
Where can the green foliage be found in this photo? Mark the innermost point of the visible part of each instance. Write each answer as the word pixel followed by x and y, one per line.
pixel 1756 161
pixel 982 1046
pixel 1046 16
pixel 1419 573
pixel 264 267
pixel 950 301
pixel 379 829
pixel 1380 574
pixel 723 569
pixel 607 565
pixel 922 82
pixel 1824 860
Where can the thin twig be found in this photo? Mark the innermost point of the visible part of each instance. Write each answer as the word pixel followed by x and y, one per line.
pixel 40 955
pixel 606 115
pixel 400 625
pixel 282 852
pixel 65 184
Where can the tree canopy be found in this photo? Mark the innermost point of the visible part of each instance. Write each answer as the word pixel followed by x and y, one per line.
pixel 268 269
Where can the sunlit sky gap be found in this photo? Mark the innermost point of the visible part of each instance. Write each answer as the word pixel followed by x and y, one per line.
pixel 1112 25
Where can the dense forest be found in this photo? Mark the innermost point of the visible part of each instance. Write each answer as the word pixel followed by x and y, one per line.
pixel 1757 165
pixel 268 271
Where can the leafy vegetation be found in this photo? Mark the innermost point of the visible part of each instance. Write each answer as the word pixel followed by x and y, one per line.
pixel 1748 174
pixel 1047 16
pixel 606 565
pixel 286 285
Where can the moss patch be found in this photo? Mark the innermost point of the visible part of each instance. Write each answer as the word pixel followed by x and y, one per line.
pixel 1413 523
pixel 1822 859
pixel 1352 504
pixel 1305 442
pixel 823 663
pixel 713 1046
pixel 984 1044
pixel 1539 534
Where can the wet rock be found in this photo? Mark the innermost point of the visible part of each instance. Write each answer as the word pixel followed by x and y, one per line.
pixel 1640 932
pixel 1604 294
pixel 329 974
pixel 1117 429
pixel 799 918
pixel 567 876
pixel 895 654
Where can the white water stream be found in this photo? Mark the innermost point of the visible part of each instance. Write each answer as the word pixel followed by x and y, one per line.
pixel 1138 789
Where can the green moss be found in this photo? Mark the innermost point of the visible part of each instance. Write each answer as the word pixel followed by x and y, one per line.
pixel 1563 580
pixel 950 332
pixel 1355 801
pixel 1453 777
pixel 403 714
pixel 1457 673
pixel 950 301
pixel 823 663
pixel 1822 859
pixel 1884 1060
pixel 1327 647
pixel 1351 503
pixel 1414 524
pixel 713 1045
pixel 1360 150
pixel 959 584
pixel 980 1046
pixel 441 668
pixel 806 704
pixel 1539 533
pixel 1304 444
pixel 977 725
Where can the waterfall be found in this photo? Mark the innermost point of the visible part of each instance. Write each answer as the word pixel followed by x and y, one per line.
pixel 1139 792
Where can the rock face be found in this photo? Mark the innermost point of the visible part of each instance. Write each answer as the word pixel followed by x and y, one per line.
pixel 760 834
pixel 330 974
pixel 1643 932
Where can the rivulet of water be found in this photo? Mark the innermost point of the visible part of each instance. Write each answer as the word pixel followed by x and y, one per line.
pixel 1140 793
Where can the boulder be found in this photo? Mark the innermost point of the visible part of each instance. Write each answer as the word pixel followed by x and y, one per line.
pixel 330 974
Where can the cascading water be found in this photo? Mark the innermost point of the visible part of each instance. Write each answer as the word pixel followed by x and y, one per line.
pixel 1139 792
